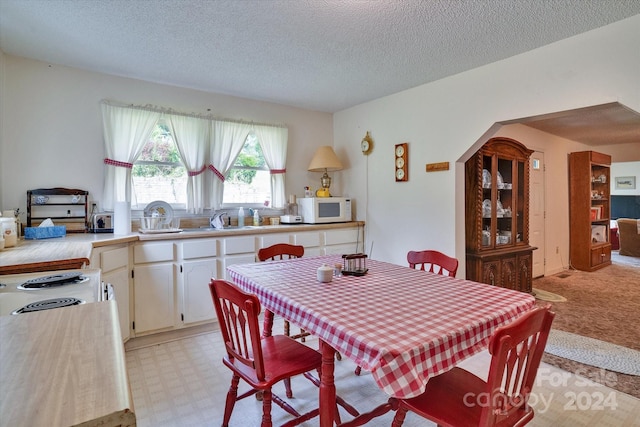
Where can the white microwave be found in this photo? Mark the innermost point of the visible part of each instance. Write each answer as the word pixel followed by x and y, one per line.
pixel 321 210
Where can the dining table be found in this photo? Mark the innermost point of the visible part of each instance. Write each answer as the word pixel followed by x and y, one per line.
pixel 402 325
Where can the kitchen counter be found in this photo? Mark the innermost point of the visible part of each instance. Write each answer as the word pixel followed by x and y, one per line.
pixel 248 230
pixel 64 367
pixel 61 253
pixel 74 250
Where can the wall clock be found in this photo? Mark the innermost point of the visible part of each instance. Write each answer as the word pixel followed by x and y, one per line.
pixel 366 145
pixel 402 162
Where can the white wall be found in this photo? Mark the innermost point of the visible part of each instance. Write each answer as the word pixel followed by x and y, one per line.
pixel 52 133
pixel 450 119
pixel 625 169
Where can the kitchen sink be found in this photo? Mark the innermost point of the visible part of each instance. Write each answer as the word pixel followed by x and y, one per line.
pixel 230 228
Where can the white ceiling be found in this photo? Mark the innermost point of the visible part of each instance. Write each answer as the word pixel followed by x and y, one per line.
pixel 324 55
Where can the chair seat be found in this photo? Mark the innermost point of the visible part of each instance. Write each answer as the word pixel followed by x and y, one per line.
pixel 283 357
pixel 454 398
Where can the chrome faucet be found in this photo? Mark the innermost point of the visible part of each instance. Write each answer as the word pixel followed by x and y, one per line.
pixel 216 221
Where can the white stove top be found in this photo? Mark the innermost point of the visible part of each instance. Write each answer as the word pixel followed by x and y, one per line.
pixel 13 298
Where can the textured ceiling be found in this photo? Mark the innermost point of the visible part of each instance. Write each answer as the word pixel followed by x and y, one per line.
pixel 321 55
pixel 605 124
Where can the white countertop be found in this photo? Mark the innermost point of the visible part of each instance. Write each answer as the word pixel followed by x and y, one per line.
pixel 64 367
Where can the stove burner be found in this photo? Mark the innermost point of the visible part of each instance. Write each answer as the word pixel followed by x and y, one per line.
pixel 48 304
pixel 53 280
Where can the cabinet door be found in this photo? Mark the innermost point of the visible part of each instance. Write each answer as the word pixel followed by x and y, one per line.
pixel 525 265
pixel 197 305
pixel 119 279
pixel 508 273
pixel 114 264
pixel 491 272
pixel 600 255
pixel 153 296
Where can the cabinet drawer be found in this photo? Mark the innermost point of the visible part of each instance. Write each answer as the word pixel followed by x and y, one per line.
pixel 600 255
pixel 114 259
pixel 272 239
pixel 200 248
pixel 308 240
pixel 153 252
pixel 239 245
pixel 339 237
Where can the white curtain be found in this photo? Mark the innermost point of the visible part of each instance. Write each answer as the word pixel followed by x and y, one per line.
pixel 126 131
pixel 226 143
pixel 191 135
pixel 273 141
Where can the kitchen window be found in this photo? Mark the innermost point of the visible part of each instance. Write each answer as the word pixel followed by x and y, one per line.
pixel 193 162
pixel 248 182
pixel 158 173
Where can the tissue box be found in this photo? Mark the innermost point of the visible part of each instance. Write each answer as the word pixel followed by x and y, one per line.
pixel 31 233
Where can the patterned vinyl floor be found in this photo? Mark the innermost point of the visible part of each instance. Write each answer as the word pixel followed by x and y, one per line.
pixel 183 383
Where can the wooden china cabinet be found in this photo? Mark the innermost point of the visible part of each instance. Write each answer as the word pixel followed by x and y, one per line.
pixel 589 210
pixel 497 215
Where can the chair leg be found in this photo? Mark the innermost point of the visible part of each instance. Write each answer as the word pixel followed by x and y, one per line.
pixel 286 328
pixel 232 394
pixel 398 419
pixel 287 387
pixel 266 409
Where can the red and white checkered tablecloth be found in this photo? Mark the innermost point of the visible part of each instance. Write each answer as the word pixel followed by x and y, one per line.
pixel 403 325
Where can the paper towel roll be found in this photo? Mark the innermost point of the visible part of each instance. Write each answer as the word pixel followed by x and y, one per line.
pixel 122 218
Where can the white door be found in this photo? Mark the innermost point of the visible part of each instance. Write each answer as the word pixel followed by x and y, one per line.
pixel 537 212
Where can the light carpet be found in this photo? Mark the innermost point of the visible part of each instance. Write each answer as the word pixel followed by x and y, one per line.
pixel 593 352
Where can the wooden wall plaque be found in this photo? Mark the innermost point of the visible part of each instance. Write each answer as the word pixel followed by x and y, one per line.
pixel 436 167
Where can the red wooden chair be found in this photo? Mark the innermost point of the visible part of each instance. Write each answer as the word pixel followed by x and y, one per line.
pixel 433 259
pixel 459 398
pixel 284 251
pixel 261 362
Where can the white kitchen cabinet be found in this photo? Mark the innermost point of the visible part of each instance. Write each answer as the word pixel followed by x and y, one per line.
pixel 266 240
pixel 153 296
pixel 198 266
pixel 238 250
pixel 115 269
pixel 310 240
pixel 342 241
pixel 170 285
pixel 196 302
pixel 154 291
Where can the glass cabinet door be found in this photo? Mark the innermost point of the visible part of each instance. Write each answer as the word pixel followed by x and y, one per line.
pixel 488 205
pixel 504 202
pixel 521 228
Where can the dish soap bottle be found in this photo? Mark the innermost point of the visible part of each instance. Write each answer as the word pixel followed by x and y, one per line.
pixel 241 217
pixel 256 218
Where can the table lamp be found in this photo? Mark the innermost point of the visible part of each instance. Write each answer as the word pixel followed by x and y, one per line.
pixel 325 159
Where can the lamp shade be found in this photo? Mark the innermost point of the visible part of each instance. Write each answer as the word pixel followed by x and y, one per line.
pixel 324 160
